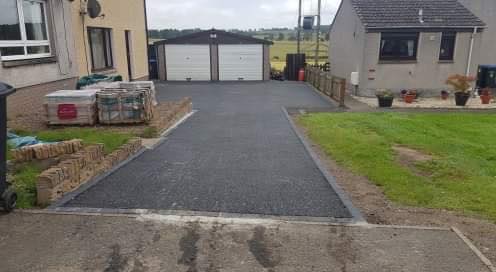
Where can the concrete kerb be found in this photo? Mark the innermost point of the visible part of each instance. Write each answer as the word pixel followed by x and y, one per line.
pixel 355 213
pixel 474 249
pixel 70 196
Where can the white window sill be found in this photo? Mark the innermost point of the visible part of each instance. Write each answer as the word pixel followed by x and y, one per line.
pixel 107 71
pixel 25 62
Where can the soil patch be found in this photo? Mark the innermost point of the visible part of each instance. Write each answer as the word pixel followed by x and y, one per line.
pixel 409 158
pixel 377 209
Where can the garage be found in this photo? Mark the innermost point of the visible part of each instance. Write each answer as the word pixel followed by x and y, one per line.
pixel 240 62
pixel 188 62
pixel 213 55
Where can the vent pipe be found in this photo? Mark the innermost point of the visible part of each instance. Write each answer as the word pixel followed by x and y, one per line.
pixel 421 16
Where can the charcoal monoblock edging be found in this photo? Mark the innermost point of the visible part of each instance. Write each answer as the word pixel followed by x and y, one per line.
pixel 355 213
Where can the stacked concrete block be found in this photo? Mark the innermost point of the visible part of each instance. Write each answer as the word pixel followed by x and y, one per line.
pixel 46 151
pixel 71 107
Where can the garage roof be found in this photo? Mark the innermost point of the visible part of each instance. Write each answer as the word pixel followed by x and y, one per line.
pixel 214 36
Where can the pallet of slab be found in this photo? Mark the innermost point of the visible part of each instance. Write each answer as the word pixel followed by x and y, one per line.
pixel 120 106
pixel 71 107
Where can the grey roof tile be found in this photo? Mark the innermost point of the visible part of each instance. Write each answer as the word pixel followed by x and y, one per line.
pixel 405 13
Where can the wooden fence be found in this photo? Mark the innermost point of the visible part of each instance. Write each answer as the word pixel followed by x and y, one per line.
pixel 331 86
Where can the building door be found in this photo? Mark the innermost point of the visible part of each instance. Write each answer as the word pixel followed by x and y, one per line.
pixel 241 62
pixel 187 62
pixel 128 54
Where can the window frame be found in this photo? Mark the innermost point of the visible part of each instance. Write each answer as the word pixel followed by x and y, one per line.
pixel 384 36
pixel 108 45
pixel 452 35
pixel 24 42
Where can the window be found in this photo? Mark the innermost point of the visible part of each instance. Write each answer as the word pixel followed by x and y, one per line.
pixel 100 47
pixel 447 51
pixel 23 29
pixel 399 46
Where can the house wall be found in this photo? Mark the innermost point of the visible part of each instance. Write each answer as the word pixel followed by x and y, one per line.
pixel 266 62
pixel 427 74
pixel 61 66
pixel 120 15
pixel 486 11
pixel 346 42
pixel 36 78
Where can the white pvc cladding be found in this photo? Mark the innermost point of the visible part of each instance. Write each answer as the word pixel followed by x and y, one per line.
pixel 214 56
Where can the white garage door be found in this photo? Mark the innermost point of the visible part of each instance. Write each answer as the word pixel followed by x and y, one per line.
pixel 187 62
pixel 241 62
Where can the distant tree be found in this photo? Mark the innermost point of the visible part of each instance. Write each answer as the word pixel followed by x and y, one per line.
pixel 326 36
pixel 292 37
pixel 280 37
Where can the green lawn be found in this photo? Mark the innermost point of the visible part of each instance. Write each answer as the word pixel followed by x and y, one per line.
pixel 25 177
pixel 461 177
pixel 279 50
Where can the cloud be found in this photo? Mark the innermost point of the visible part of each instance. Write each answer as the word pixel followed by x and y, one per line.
pixel 229 14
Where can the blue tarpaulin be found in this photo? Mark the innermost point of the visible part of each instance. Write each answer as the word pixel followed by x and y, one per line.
pixel 16 141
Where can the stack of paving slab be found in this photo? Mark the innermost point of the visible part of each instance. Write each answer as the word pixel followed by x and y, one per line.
pixel 71 107
pixel 132 103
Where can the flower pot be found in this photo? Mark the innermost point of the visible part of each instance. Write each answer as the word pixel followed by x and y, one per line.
pixel 444 96
pixel 385 102
pixel 461 98
pixel 485 99
pixel 409 98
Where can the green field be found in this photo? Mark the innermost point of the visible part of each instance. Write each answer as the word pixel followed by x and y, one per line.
pixel 279 50
pixel 461 175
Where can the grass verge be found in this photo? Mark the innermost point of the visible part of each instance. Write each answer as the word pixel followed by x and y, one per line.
pixel 26 175
pixel 461 176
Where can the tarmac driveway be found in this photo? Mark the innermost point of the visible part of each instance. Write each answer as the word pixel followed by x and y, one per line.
pixel 237 154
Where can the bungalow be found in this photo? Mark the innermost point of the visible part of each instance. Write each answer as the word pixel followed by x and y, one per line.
pixel 46 45
pixel 407 44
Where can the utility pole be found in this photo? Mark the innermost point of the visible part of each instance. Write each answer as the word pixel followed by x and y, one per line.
pixel 298 36
pixel 318 35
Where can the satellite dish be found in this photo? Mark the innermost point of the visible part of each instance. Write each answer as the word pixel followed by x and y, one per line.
pixel 94 8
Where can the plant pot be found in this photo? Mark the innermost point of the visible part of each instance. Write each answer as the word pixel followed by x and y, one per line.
pixel 444 96
pixel 385 102
pixel 461 98
pixel 485 99
pixel 409 98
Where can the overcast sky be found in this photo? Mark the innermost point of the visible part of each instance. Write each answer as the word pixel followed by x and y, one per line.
pixel 229 14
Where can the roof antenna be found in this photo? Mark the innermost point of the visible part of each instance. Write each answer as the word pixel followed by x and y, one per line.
pixel 421 16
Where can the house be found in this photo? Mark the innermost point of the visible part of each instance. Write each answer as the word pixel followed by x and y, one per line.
pixel 37 51
pixel 213 55
pixel 113 43
pixel 406 44
pixel 486 10
pixel 46 45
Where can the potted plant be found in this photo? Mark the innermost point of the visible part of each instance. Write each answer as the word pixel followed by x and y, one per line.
pixel 486 96
pixel 461 85
pixel 444 95
pixel 403 93
pixel 385 98
pixel 410 96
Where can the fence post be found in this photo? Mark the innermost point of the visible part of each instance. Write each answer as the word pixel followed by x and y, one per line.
pixel 342 92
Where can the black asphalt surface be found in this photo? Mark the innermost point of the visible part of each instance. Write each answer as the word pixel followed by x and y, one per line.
pixel 237 154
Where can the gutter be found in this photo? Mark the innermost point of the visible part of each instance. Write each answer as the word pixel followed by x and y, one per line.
pixel 470 52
